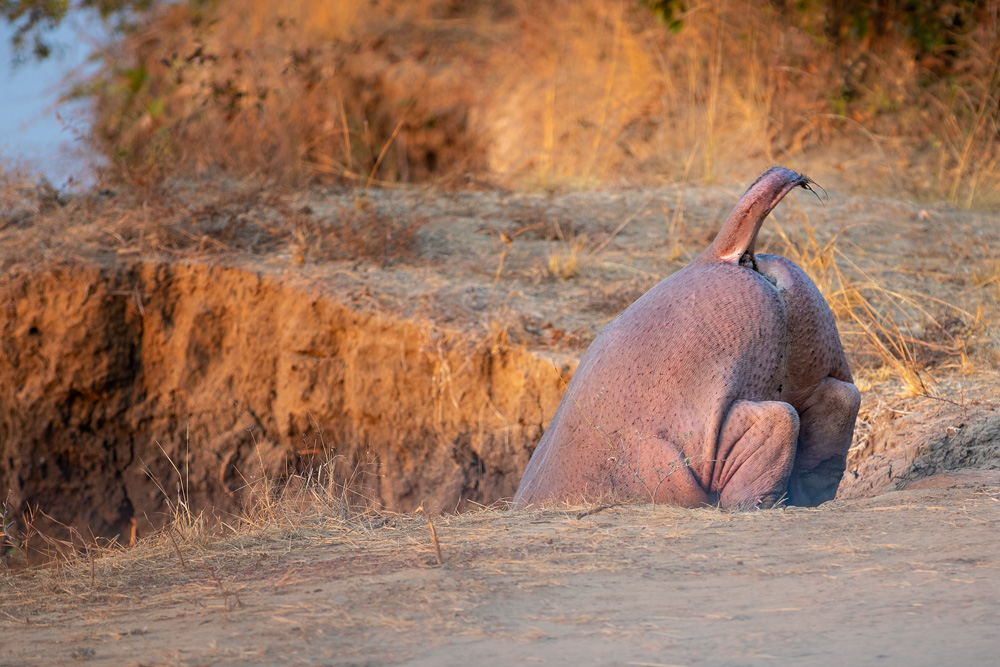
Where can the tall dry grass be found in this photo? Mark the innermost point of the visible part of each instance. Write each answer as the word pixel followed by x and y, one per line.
pixel 562 93
pixel 889 333
pixel 18 191
pixel 611 95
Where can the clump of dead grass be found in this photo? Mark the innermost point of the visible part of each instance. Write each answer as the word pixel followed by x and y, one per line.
pixel 890 334
pixel 24 194
pixel 16 192
pixel 220 216
pixel 358 232
pixel 317 504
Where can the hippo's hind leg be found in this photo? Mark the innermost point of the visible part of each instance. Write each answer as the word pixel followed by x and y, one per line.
pixel 755 454
pixel 825 432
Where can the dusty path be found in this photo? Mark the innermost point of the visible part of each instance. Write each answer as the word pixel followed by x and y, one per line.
pixel 910 577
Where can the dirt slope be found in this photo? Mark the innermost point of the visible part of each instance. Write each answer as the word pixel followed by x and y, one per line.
pixel 121 373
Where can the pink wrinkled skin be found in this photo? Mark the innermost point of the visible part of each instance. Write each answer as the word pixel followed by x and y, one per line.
pixel 725 384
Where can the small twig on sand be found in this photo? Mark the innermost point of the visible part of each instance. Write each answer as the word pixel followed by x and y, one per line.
pixel 170 534
pixel 434 537
pixel 595 510
pixel 15 618
pixel 226 594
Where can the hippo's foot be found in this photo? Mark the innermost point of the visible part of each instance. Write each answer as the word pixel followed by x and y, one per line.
pixel 825 432
pixel 816 486
pixel 755 456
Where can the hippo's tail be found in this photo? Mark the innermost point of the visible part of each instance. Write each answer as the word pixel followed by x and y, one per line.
pixel 738 235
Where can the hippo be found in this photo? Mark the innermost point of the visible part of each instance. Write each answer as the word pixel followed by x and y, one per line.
pixel 725 384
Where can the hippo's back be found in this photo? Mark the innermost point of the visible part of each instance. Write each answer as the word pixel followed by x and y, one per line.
pixel 666 370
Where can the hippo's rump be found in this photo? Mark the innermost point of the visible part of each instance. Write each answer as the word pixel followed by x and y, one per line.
pixel 662 375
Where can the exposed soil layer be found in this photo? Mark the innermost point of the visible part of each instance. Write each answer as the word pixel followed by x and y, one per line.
pixel 147 362
pixel 124 384
pixel 923 444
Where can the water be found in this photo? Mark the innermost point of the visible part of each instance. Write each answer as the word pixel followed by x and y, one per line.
pixel 36 130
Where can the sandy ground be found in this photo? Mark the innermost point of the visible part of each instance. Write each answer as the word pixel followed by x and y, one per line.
pixel 909 577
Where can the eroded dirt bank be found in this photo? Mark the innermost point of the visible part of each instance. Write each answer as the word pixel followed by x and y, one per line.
pixel 111 377
pixel 242 334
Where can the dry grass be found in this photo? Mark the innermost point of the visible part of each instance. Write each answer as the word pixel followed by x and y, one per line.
pixel 24 194
pixel 573 251
pixel 322 498
pixel 357 233
pixel 279 89
pixel 612 95
pixel 566 94
pixel 890 333
pixel 15 192
pixel 303 513
pixel 220 216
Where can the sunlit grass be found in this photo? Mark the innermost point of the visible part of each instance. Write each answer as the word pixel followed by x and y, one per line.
pixel 536 96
